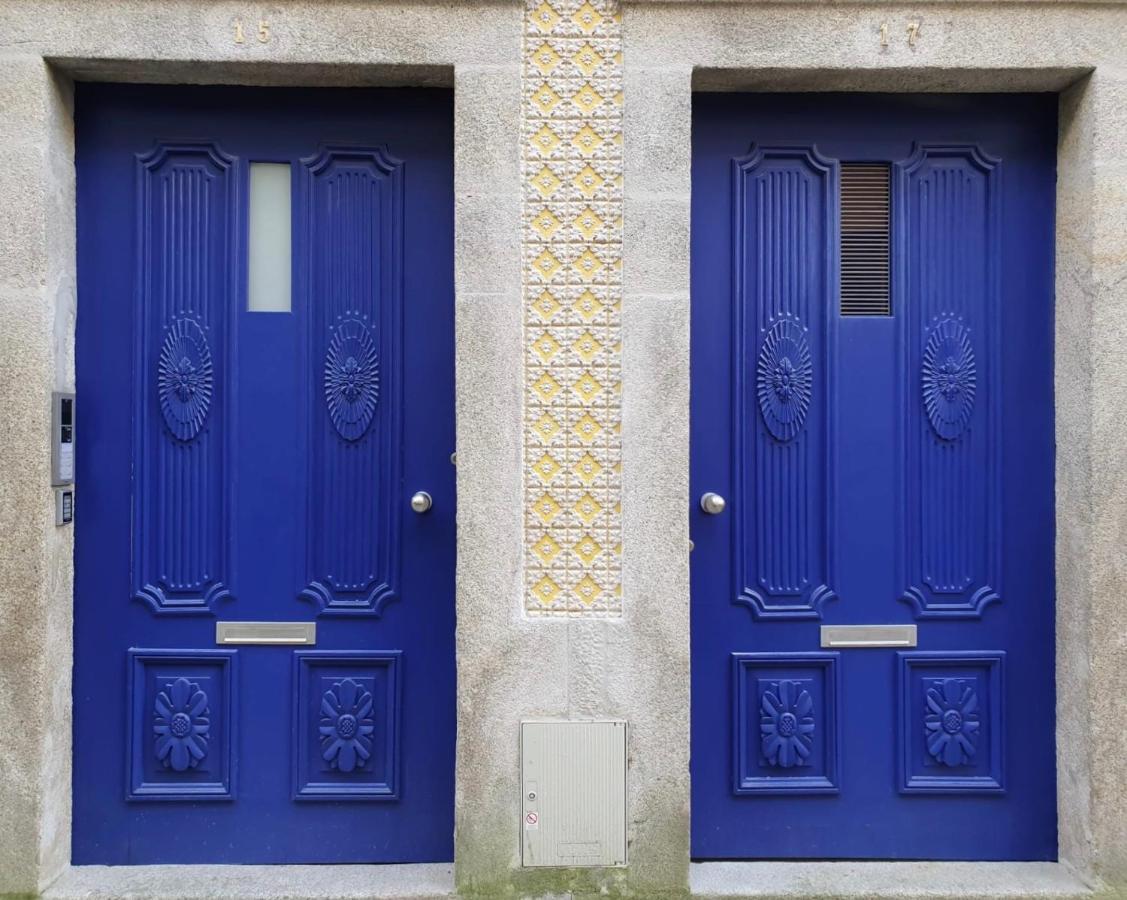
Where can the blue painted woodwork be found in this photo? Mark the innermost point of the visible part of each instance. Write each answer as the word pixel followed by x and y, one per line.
pixel 257 466
pixel 787 727
pixel 184 318
pixel 879 470
pixel 956 703
pixel 784 224
pixel 182 713
pixel 355 203
pixel 346 725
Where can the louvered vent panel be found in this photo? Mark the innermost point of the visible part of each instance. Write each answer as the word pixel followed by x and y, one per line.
pixel 864 239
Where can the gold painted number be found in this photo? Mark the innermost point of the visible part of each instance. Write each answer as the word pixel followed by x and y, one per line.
pixel 263 34
pixel 913 32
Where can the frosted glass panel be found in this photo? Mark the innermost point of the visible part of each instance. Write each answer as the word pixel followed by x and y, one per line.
pixel 268 289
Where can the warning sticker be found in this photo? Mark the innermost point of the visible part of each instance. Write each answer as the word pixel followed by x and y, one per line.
pixel 531 821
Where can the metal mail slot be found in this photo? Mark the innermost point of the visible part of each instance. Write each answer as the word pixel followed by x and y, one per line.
pixel 868 635
pixel 266 632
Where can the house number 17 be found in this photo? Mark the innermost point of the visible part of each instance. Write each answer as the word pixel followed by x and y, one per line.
pixel 913 33
pixel 263 32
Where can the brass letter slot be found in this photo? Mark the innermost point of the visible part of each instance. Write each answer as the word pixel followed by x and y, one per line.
pixel 266 633
pixel 868 635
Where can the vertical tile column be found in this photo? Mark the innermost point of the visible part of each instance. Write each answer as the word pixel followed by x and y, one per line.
pixel 572 281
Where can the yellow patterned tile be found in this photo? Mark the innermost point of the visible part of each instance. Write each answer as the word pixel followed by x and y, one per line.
pixel 587 18
pixel 588 589
pixel 587 469
pixel 572 255
pixel 546 468
pixel 546 386
pixel 545 140
pixel 587 305
pixel 546 549
pixel 587 141
pixel 586 386
pixel 546 427
pixel 587 99
pixel 546 264
pixel 588 265
pixel 588 182
pixel 546 223
pixel 588 223
pixel 587 347
pixel 587 548
pixel 587 508
pixel 545 58
pixel 546 347
pixel 546 508
pixel 546 182
pixel 587 428
pixel 545 590
pixel 545 18
pixel 547 305
pixel 545 98
pixel 586 59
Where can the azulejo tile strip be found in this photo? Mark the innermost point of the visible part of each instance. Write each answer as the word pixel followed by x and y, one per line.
pixel 572 243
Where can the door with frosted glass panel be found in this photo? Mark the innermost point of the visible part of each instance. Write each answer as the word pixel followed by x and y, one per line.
pixel 263 624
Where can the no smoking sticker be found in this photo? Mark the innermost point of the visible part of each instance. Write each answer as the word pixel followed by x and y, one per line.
pixel 531 821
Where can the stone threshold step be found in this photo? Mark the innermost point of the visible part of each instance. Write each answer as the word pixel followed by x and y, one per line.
pixel 709 881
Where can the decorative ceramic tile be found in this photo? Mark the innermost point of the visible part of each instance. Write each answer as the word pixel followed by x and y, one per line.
pixel 572 164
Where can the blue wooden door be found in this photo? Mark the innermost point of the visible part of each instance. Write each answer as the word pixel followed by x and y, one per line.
pixel 872 360
pixel 254 462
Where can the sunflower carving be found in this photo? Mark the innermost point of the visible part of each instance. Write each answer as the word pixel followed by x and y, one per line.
pixel 785 379
pixel 948 379
pixel 352 379
pixel 184 378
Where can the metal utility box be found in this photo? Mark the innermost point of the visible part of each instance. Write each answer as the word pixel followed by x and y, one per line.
pixel 573 803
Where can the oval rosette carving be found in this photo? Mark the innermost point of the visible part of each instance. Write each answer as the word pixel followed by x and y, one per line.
pixel 184 378
pixel 948 378
pixel 352 379
pixel 785 379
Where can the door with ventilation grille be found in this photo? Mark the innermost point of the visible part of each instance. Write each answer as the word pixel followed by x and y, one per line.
pixel 872 399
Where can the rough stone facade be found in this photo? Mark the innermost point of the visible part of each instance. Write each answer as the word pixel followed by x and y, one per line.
pixel 635 665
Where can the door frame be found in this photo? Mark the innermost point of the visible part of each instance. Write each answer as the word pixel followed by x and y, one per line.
pixel 658 297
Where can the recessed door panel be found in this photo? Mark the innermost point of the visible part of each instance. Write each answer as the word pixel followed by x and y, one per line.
pixel 250 458
pixel 872 394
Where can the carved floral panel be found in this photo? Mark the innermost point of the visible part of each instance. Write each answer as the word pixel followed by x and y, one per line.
pixel 346 725
pixel 786 723
pixel 182 721
pixel 951 730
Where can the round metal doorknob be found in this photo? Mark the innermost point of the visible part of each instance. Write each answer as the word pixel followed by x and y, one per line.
pixel 421 501
pixel 711 503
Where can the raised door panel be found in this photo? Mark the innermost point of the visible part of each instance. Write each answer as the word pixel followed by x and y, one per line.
pixel 785 223
pixel 184 323
pixel 948 243
pixel 352 285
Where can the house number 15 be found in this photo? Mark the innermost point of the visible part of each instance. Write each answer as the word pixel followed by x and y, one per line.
pixel 263 32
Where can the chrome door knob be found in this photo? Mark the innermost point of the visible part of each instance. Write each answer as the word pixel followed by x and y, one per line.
pixel 421 501
pixel 711 503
